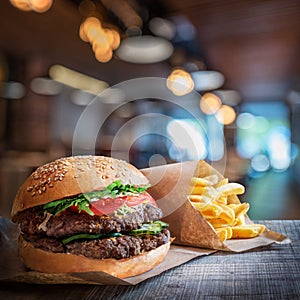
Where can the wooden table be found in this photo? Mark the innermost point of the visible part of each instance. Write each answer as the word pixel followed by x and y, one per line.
pixel 271 272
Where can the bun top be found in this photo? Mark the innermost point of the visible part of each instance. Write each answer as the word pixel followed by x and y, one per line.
pixel 70 176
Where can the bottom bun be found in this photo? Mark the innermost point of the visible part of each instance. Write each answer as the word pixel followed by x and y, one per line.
pixel 49 262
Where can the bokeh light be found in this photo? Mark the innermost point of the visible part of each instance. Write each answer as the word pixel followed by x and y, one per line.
pixel 180 82
pixel 245 120
pixel 188 138
pixel 264 137
pixel 210 103
pixel 39 6
pixel 103 40
pixel 260 163
pixel 226 115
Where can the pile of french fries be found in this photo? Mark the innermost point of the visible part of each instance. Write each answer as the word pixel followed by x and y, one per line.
pixel 217 202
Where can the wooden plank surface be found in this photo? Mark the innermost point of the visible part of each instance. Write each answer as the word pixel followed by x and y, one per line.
pixel 271 272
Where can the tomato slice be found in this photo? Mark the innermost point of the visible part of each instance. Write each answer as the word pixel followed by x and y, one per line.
pixel 109 205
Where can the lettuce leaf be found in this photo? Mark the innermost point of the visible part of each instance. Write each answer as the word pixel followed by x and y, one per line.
pixel 82 201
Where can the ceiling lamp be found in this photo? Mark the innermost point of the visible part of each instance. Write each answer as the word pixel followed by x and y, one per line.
pixel 162 27
pixel 12 90
pixel 180 82
pixel 229 97
pixel 39 6
pixel 45 86
pixel 77 80
pixel 144 49
pixel 207 80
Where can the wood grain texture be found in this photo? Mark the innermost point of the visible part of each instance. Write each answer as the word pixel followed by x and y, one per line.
pixel 271 272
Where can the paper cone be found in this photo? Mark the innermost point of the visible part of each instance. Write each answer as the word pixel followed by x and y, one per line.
pixel 169 186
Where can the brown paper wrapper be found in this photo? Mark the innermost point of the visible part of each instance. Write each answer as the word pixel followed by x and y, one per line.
pixel 187 224
pixel 194 236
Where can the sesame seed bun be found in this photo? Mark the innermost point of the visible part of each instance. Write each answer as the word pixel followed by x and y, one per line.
pixel 48 262
pixel 70 176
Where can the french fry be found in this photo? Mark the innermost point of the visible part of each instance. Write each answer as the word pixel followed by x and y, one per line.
pixel 213 179
pixel 227 214
pixel 231 188
pixel 239 221
pixel 196 190
pixel 196 181
pixel 211 192
pixel 247 231
pixel 200 199
pixel 208 191
pixel 216 201
pixel 229 232
pixel 209 211
pixel 217 223
pixel 224 233
pixel 239 209
pixel 220 183
pixel 222 200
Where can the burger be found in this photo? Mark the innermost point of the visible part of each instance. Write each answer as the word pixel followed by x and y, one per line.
pixel 89 213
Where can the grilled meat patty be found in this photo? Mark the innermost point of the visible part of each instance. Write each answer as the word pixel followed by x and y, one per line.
pixel 35 222
pixel 118 247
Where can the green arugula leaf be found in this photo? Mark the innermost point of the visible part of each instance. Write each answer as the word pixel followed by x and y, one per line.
pixel 115 189
pixel 58 206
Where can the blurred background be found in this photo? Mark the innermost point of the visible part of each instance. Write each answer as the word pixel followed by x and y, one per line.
pixel 240 58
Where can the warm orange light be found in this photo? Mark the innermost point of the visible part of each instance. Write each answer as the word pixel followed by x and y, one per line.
pixel 103 40
pixel 82 33
pixel 100 44
pixel 116 39
pixel 89 29
pixel 39 6
pixel 113 38
pixel 180 82
pixel 210 103
pixel 104 57
pixel 92 33
pixel 226 115
pixel 21 4
pixel 92 21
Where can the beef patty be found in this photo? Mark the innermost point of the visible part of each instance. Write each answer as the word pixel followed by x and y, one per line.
pixel 35 222
pixel 119 247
